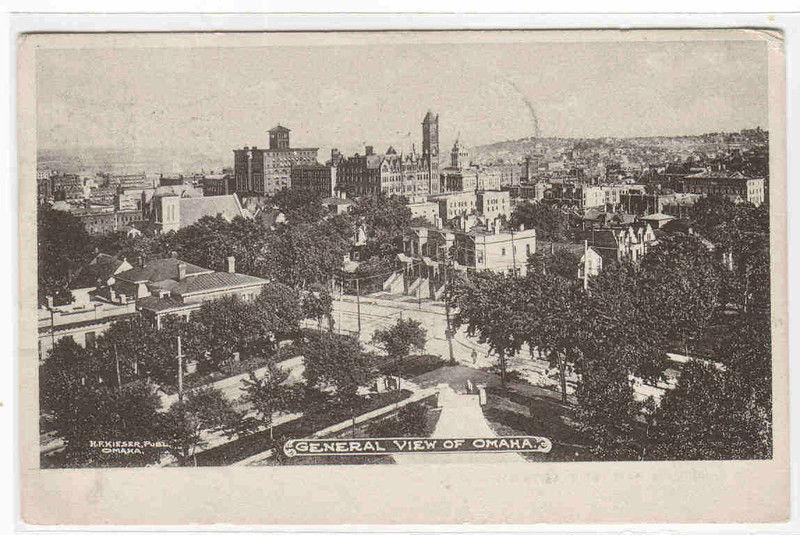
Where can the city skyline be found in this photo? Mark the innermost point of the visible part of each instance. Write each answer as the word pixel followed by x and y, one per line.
pixel 350 96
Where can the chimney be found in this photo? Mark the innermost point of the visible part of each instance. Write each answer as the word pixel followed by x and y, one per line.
pixel 231 264
pixel 181 271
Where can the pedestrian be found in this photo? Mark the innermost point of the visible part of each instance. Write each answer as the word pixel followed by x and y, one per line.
pixel 474 357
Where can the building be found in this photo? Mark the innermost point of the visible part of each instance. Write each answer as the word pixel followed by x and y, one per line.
pixel 266 171
pixel 494 204
pixel 460 175
pixel 453 205
pixel 420 207
pixel 394 173
pixel 314 178
pixel 576 195
pixel 430 150
pixel 92 310
pixel 173 212
pixel 626 244
pixel 494 248
pixel 171 286
pixel 589 263
pixel 388 174
pixel 748 189
pixel 338 204
pixel 213 185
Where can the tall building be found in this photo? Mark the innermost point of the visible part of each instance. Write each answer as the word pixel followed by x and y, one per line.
pixel 266 171
pixel 430 149
pixel 392 173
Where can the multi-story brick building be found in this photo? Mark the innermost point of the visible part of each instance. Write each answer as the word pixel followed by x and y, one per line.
pixel 315 178
pixel 393 173
pixel 266 171
pixel 747 189
pixel 494 204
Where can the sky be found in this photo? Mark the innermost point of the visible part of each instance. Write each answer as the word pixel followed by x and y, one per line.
pixel 212 100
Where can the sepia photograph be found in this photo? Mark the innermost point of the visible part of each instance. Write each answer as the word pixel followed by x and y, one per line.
pixel 405 248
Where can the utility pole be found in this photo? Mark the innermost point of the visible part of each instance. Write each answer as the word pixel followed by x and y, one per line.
pixel 358 306
pixel 513 253
pixel 180 372
pixel 116 362
pixel 449 332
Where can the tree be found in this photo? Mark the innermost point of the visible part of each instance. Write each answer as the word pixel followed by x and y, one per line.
pixel 681 284
pixel 386 220
pixel 268 395
pixel 607 411
pixel 299 206
pixel 301 255
pixel 82 408
pixel 335 365
pixel 561 262
pixel 551 224
pixel 399 339
pixel 231 325
pixel 709 415
pixel 490 304
pixel 553 311
pixel 318 304
pixel 202 410
pixel 63 245
pixel 282 309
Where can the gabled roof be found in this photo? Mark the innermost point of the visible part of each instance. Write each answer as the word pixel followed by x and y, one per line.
pixel 98 271
pixel 279 128
pixel 160 270
pixel 195 208
pixel 218 280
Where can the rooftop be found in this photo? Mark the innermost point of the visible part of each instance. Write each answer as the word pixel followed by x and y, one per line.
pixel 160 270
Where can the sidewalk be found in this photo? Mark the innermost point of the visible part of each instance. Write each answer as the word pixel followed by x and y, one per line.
pixel 402 302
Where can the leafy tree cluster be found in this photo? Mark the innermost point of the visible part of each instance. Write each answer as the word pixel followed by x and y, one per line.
pixel 619 331
pixel 62 247
pixel 551 224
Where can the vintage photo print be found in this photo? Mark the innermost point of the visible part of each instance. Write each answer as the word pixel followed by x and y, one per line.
pixel 525 265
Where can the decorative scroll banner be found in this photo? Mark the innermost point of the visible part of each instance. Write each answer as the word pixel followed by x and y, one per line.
pixel 394 446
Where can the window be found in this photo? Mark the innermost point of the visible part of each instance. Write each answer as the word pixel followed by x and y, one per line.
pixel 503 251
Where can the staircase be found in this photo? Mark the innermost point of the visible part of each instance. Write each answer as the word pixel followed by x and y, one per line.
pixel 394 284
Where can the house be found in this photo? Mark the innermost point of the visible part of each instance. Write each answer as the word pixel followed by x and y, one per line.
pixel 171 286
pixel 589 262
pixel 657 220
pixel 93 308
pixel 172 212
pixel 494 248
pixel 620 244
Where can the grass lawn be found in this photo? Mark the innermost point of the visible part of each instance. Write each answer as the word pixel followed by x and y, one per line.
pixel 365 430
pixel 304 426
pixel 412 366
pixel 512 414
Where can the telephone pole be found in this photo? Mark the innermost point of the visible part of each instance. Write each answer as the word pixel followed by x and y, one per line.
pixel 180 372
pixel 358 306
pixel 116 362
pixel 449 331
